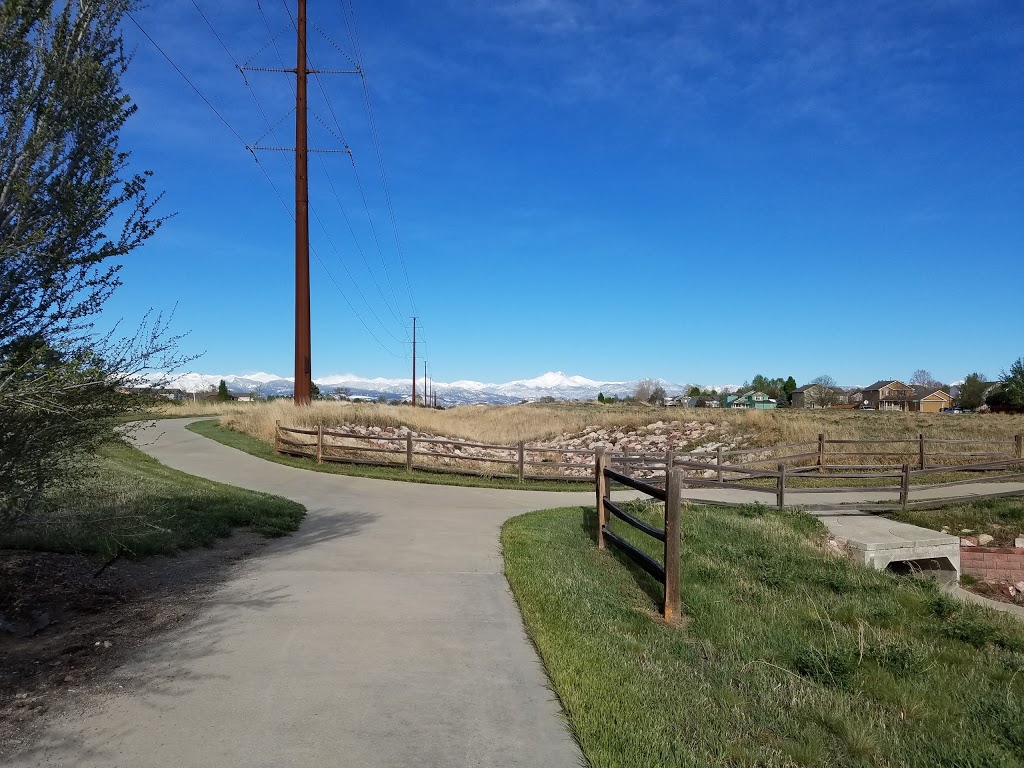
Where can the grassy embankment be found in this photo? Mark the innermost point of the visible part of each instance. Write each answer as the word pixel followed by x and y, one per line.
pixel 787 655
pixel 264 450
pixel 133 505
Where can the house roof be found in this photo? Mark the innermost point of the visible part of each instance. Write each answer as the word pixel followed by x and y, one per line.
pixel 807 387
pixel 883 383
pixel 922 392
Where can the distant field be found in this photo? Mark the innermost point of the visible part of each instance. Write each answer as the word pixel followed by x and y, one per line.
pixel 507 424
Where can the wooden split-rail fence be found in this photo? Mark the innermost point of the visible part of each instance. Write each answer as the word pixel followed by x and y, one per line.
pixel 896 462
pixel 670 534
pixel 519 461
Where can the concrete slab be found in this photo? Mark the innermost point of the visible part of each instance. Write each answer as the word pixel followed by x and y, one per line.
pixel 879 543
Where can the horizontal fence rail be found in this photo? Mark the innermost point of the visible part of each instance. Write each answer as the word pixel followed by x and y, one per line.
pixel 666 573
pixel 918 458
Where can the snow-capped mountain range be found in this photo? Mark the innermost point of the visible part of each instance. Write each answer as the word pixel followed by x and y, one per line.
pixel 552 384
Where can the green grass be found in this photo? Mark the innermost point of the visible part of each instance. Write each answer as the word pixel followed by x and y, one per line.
pixel 786 656
pixel 256 447
pixel 134 505
pixel 1002 518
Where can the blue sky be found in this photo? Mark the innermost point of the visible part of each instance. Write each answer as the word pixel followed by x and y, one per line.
pixel 699 191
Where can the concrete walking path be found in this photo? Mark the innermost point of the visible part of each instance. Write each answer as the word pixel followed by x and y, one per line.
pixel 382 633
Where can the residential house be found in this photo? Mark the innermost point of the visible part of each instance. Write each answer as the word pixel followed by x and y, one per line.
pixel 170 393
pixel 930 400
pixel 811 395
pixel 240 397
pixel 758 401
pixel 889 395
pixel 697 401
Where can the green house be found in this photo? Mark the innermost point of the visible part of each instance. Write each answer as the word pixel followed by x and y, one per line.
pixel 757 401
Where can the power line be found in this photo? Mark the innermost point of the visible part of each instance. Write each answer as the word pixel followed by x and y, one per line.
pixel 272 129
pixel 341 207
pixel 190 83
pixel 242 141
pixel 362 195
pixel 354 36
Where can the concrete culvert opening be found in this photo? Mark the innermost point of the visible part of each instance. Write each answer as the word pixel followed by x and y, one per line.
pixel 938 568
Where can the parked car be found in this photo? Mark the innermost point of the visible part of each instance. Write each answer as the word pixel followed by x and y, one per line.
pixel 865 408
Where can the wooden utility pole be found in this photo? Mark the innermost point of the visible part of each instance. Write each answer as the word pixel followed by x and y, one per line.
pixel 303 365
pixel 414 362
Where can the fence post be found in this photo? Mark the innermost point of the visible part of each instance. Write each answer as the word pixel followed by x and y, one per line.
pixel 601 482
pixel 670 457
pixel 1019 447
pixel 781 489
pixel 821 453
pixel 319 443
pixel 718 463
pixel 905 486
pixel 522 461
pixel 673 540
pixel 277 437
pixel 920 438
pixel 408 451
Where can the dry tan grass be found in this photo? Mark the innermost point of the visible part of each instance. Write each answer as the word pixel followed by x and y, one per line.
pixel 506 425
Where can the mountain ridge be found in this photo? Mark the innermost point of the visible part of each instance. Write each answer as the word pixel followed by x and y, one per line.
pixel 555 384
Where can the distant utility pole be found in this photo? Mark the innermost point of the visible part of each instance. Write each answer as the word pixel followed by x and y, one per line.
pixel 414 362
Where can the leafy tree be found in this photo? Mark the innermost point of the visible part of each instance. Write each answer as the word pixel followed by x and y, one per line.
pixel 789 387
pixel 693 392
pixel 222 391
pixel 1012 382
pixel 972 391
pixel 70 212
pixel 600 397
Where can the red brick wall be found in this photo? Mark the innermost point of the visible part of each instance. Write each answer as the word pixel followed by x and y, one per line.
pixel 993 563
